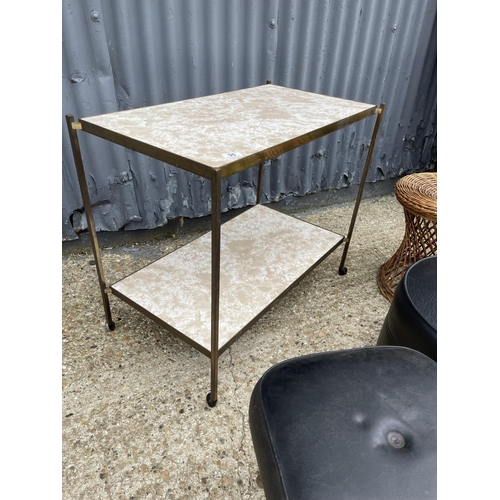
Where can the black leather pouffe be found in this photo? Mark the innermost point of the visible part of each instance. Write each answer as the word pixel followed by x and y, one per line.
pixel 412 317
pixel 354 424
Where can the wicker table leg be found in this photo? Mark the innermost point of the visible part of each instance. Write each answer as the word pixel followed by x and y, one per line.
pixel 420 240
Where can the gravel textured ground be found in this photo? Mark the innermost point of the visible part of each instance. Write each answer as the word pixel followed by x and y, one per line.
pixel 135 424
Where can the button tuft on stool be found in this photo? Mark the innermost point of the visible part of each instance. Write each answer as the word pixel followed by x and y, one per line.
pixel 417 193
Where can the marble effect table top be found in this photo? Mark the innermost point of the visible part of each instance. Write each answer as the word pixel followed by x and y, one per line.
pixel 217 130
pixel 263 252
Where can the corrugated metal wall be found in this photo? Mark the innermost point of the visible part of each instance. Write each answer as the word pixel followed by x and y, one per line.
pixel 126 54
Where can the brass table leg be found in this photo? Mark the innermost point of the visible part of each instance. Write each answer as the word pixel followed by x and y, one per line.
pixel 380 111
pixel 77 155
pixel 216 182
pixel 259 185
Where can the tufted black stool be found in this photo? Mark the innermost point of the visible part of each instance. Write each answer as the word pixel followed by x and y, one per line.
pixel 412 317
pixel 354 424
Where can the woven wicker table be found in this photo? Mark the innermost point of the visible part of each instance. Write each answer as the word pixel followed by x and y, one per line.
pixel 417 193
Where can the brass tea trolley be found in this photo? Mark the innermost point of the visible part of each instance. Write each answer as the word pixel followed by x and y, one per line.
pixel 211 290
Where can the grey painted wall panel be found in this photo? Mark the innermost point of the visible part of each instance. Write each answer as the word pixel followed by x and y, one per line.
pixel 126 54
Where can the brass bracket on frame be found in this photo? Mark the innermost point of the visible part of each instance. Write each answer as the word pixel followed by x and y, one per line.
pixel 378 111
pixel 76 126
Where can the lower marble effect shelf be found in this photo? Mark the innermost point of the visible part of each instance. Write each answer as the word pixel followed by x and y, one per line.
pixel 263 253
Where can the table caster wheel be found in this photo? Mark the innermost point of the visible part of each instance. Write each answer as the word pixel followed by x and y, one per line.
pixel 210 402
pixel 343 271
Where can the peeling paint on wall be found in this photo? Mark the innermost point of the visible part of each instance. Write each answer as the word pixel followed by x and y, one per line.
pixel 123 54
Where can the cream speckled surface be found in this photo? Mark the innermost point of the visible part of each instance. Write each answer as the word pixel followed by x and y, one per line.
pixel 219 129
pixel 262 253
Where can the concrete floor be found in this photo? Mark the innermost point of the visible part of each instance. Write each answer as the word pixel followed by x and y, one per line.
pixel 135 423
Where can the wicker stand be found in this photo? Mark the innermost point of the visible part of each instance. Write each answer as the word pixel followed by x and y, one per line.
pixel 417 193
